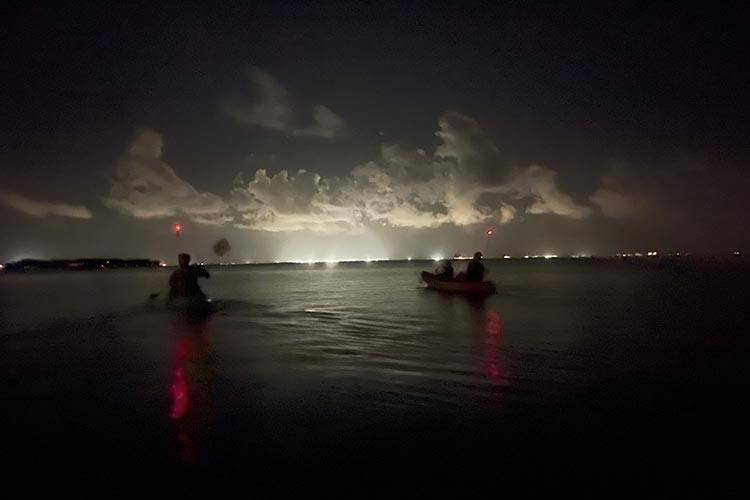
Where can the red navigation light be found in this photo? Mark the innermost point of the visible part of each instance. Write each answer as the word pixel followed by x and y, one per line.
pixel 177 228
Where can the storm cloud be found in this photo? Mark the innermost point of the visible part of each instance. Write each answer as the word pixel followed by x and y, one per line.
pixel 463 182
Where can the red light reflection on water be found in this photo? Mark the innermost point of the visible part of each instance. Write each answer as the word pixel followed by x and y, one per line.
pixel 190 402
pixel 180 383
pixel 492 341
pixel 180 394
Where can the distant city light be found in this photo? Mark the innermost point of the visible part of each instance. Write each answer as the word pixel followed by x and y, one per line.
pixel 161 264
pixel 332 261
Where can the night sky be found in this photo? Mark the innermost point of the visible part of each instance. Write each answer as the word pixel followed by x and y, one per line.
pixel 399 129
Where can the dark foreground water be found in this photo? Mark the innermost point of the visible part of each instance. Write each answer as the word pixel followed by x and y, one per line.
pixel 588 371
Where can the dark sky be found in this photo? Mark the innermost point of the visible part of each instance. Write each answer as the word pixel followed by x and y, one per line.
pixel 568 128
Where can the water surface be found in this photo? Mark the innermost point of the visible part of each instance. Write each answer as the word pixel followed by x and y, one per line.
pixel 587 369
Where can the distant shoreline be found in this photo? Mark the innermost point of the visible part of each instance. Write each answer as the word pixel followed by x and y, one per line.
pixel 84 264
pixel 97 264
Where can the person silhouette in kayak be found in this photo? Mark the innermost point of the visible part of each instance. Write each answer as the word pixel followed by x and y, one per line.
pixel 184 280
pixel 445 271
pixel 475 269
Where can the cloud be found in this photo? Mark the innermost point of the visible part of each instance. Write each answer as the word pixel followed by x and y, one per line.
pixel 145 187
pixel 614 204
pixel 622 195
pixel 268 104
pixel 409 188
pixel 507 214
pixel 464 182
pixel 42 208
pixel 289 203
pixel 539 183
pixel 464 142
pixel 327 124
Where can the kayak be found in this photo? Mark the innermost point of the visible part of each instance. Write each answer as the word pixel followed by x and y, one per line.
pixel 457 286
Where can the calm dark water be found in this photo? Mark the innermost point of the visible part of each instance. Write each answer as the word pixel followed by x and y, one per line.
pixel 583 370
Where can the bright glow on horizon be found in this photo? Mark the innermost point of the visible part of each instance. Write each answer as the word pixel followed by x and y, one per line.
pixel 334 260
pixel 330 260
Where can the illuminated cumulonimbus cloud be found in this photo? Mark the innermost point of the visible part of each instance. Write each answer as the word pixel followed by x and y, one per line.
pixel 463 182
